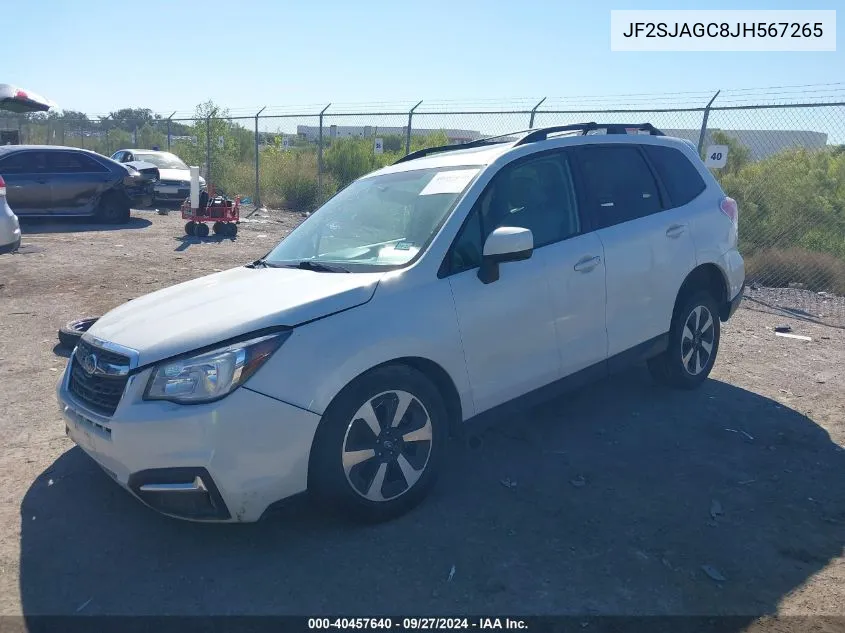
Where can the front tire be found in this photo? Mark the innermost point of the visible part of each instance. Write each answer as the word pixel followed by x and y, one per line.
pixel 693 344
pixel 379 445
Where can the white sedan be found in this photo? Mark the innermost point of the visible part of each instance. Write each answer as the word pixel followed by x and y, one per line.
pixel 174 175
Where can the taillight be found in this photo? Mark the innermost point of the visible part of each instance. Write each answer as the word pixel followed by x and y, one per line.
pixel 2 187
pixel 730 209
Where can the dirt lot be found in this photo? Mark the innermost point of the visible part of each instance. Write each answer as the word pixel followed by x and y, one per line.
pixel 624 498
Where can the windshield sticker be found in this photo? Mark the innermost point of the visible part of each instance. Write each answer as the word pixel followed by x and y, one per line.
pixel 403 246
pixel 453 181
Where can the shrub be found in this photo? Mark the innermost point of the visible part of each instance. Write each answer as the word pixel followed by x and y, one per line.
pixel 289 179
pixel 350 158
pixel 780 267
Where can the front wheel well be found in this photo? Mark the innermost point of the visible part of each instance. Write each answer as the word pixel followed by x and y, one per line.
pixel 442 380
pixel 707 277
pixel 437 375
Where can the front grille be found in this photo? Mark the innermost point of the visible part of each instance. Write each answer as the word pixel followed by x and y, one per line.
pixel 100 392
pixel 173 183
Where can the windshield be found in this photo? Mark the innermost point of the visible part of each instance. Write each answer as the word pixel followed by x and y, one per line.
pixel 162 160
pixel 377 223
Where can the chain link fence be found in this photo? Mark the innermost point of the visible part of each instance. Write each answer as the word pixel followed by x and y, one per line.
pixel 785 167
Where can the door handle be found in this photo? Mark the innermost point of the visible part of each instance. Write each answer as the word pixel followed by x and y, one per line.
pixel 587 264
pixel 676 230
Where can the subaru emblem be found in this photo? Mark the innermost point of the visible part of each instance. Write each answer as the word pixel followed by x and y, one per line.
pixel 89 363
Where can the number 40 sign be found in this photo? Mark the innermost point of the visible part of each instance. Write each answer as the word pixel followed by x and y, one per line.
pixel 716 156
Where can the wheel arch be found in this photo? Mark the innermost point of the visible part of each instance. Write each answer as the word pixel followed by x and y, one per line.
pixel 709 277
pixel 431 370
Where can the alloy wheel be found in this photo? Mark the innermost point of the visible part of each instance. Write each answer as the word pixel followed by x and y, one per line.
pixel 387 446
pixel 697 340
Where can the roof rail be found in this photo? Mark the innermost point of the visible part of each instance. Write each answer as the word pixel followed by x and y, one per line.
pixel 487 140
pixel 532 136
pixel 585 128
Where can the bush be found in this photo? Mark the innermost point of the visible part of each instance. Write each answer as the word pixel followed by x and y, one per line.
pixel 794 199
pixel 289 179
pixel 350 158
pixel 780 267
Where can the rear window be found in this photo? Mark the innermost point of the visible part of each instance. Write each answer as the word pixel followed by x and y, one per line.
pixel 681 179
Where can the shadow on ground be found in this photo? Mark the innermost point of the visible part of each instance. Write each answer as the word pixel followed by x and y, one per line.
pixel 611 501
pixel 36 226
pixel 186 241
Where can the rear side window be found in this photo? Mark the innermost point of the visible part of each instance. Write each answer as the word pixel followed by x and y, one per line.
pixel 22 163
pixel 619 184
pixel 72 163
pixel 681 179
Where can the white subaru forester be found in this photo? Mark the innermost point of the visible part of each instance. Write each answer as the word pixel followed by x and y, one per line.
pixel 443 288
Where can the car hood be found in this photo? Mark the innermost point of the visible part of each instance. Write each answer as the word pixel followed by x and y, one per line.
pixel 175 174
pixel 224 305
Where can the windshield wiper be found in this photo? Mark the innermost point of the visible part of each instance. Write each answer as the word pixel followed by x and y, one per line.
pixel 320 267
pixel 262 263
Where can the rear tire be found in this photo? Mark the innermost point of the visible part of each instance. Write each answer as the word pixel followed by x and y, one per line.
pixel 218 227
pixel 70 333
pixel 367 461
pixel 190 227
pixel 693 344
pixel 201 230
pixel 113 208
pixel 232 230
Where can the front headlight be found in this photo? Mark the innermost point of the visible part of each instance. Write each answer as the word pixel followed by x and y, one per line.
pixel 211 375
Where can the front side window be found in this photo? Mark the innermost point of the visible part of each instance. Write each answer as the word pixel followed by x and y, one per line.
pixel 72 163
pixel 376 223
pixel 619 183
pixel 536 194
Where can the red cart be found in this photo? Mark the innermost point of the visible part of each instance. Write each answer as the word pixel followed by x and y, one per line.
pixel 220 210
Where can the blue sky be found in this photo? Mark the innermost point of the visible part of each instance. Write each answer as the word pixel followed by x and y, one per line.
pixel 100 55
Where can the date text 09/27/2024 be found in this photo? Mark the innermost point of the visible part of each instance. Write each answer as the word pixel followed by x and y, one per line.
pixel 417 624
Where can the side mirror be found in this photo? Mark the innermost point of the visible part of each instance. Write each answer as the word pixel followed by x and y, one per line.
pixel 505 244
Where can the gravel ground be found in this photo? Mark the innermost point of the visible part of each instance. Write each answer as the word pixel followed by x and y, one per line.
pixel 817 307
pixel 623 498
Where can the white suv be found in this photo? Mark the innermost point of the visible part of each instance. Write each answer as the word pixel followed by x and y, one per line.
pixel 440 289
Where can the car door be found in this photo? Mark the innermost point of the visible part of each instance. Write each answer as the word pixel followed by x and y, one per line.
pixel 510 328
pixel 574 259
pixel 648 250
pixel 77 180
pixel 28 189
pixel 118 156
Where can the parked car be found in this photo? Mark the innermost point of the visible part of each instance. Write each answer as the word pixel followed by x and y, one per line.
pixel 175 175
pixel 10 230
pixel 449 287
pixel 46 180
